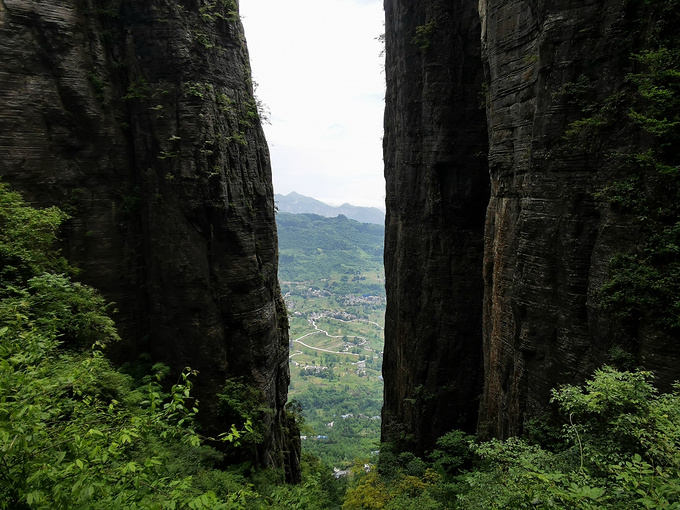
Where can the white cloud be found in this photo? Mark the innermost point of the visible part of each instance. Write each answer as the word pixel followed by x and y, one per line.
pixel 318 66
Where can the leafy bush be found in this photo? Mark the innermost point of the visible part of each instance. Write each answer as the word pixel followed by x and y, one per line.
pixel 620 449
pixel 74 431
pixel 624 452
pixel 27 238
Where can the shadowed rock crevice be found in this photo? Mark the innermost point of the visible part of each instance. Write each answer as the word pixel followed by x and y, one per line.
pixel 435 150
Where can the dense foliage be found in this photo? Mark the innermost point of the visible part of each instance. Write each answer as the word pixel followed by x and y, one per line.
pixel 76 432
pixel 73 430
pixel 617 448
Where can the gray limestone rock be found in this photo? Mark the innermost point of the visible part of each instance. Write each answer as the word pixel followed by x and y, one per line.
pixel 495 264
pixel 138 118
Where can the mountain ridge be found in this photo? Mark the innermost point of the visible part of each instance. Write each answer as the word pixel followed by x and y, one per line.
pixel 300 204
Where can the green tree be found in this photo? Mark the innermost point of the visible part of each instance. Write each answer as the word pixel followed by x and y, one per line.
pixel 74 431
pixel 624 440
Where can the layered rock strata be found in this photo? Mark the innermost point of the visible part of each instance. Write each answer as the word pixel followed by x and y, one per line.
pixel 559 129
pixel 548 236
pixel 138 118
pixel 435 149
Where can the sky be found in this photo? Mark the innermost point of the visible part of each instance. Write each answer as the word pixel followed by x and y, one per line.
pixel 319 70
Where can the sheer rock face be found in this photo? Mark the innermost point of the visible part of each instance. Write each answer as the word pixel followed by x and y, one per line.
pixel 138 118
pixel 437 191
pixel 547 240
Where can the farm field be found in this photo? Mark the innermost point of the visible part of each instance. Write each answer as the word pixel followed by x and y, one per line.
pixel 332 280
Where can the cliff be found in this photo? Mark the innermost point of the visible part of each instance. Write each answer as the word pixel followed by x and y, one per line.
pixel 498 269
pixel 548 240
pixel 435 149
pixel 139 119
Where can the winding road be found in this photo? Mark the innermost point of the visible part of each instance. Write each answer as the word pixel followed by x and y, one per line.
pixel 319 330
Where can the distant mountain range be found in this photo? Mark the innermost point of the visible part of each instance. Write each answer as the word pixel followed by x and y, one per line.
pixel 296 203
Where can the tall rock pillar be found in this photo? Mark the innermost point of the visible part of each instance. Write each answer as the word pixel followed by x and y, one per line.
pixel 549 236
pixel 138 117
pixel 435 151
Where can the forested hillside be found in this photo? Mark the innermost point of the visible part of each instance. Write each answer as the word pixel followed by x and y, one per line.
pixel 332 280
pixel 313 247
